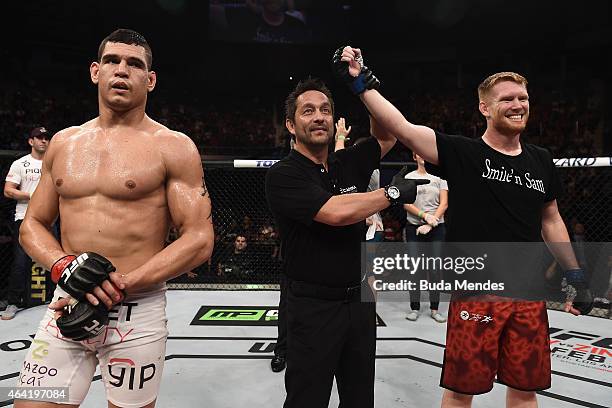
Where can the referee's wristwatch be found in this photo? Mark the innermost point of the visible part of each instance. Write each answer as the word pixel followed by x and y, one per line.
pixel 392 193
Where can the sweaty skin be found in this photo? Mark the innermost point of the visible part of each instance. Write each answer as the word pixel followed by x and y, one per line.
pixel 111 187
pixel 119 181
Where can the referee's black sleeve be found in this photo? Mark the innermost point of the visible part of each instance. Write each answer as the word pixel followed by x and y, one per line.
pixel 291 193
pixel 364 157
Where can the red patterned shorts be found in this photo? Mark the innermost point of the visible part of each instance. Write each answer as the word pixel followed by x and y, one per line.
pixel 507 338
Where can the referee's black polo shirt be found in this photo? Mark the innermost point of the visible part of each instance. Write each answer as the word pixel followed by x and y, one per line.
pixel 296 189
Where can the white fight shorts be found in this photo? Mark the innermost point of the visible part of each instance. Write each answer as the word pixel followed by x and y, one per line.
pixel 130 351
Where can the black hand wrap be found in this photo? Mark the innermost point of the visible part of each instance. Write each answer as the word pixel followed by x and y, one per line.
pixel 84 273
pixel 583 302
pixel 83 320
pixel 359 84
pixel 406 187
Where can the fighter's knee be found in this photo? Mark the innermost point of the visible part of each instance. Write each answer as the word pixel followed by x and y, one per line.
pixel 149 405
pixel 40 404
pixel 515 394
pixel 452 399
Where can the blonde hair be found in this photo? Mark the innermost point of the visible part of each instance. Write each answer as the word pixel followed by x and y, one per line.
pixel 486 85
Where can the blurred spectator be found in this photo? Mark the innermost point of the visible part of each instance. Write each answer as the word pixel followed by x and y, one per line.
pixel 191 274
pixel 263 21
pixel 239 264
pixel 268 242
pixel 21 181
pixel 342 133
pixel 248 228
pixel 571 124
pixel 392 227
pixel 425 223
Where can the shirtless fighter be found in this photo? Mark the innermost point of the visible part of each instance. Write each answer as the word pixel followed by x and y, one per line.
pixel 118 181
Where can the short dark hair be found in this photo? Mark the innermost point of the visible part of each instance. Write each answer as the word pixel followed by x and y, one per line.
pixel 309 84
pixel 129 37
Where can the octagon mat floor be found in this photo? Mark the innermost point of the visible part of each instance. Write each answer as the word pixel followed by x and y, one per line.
pixel 223 366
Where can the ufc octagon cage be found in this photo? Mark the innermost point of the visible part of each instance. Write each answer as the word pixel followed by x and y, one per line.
pixel 240 211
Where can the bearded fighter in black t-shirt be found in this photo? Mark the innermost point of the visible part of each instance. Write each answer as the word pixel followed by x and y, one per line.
pixel 515 187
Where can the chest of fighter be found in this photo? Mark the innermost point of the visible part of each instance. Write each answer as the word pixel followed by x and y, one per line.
pixel 120 176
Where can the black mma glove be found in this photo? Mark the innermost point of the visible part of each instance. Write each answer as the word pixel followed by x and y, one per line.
pixel 79 275
pixel 83 321
pixel 359 84
pixel 402 190
pixel 583 302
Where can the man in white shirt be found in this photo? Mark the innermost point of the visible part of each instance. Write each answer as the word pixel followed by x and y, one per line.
pixel 21 181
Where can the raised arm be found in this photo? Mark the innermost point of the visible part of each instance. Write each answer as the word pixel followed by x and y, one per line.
pixel 342 133
pixel 386 139
pixel 190 210
pixel 419 139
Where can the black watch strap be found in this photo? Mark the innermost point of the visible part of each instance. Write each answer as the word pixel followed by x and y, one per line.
pixel 388 195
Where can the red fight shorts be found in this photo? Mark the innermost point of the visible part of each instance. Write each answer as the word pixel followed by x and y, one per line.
pixel 507 338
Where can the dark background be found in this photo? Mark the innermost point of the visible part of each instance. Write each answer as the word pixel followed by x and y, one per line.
pixel 429 54
pixel 469 39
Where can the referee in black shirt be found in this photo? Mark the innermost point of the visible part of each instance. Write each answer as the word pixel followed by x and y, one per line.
pixel 320 204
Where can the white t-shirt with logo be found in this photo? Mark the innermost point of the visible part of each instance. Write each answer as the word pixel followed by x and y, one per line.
pixel 25 172
pixel 428 195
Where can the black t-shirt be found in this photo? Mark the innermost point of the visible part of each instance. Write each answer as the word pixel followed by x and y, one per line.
pixel 494 197
pixel 296 189
pixel 238 264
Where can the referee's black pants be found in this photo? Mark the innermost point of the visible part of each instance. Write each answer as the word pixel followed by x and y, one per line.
pixel 327 339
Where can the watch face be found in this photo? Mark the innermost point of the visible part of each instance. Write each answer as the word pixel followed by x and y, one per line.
pixel 393 192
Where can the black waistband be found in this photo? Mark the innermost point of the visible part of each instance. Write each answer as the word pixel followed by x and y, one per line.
pixel 347 294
